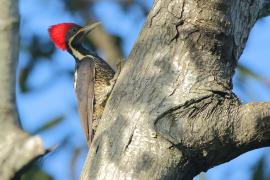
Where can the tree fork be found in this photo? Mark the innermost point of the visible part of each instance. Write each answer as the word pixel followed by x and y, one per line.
pixel 172 113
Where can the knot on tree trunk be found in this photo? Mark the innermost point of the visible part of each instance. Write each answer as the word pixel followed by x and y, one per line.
pixel 202 128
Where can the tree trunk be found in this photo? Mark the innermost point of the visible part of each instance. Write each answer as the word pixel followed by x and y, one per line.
pixel 17 149
pixel 172 113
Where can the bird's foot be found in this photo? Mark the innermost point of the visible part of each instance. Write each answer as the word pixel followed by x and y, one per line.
pixel 119 66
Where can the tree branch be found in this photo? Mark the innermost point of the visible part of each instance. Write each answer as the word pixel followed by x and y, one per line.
pixel 107 44
pixel 253 125
pixel 16 148
pixel 104 41
pixel 172 112
pixel 265 10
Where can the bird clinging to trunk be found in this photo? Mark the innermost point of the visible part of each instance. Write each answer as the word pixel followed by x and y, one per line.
pixel 92 79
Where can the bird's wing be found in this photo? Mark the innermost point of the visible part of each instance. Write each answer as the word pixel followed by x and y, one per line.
pixel 84 86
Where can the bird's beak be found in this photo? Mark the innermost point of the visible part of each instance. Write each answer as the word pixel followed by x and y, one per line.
pixel 89 28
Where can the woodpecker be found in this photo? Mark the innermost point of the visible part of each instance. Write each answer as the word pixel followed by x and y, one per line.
pixel 92 78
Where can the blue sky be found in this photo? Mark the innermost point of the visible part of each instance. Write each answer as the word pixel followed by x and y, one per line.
pixel 58 98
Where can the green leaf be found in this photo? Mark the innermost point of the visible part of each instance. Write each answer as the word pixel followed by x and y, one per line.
pixel 24 73
pixel 49 124
pixel 258 173
pixel 73 162
pixel 35 173
pixel 246 72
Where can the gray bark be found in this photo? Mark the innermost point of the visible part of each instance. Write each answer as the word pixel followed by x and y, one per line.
pixel 172 113
pixel 16 148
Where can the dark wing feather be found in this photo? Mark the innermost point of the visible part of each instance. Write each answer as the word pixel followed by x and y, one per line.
pixel 85 80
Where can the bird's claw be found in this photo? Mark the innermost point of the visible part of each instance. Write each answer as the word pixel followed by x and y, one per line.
pixel 119 66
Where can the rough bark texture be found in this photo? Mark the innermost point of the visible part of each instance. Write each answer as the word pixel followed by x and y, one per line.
pixel 172 112
pixel 16 148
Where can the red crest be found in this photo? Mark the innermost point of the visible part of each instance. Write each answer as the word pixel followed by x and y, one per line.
pixel 58 33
